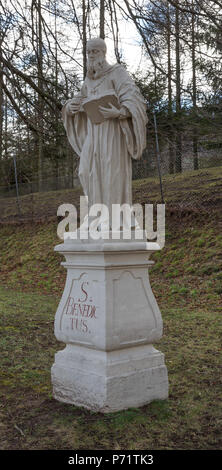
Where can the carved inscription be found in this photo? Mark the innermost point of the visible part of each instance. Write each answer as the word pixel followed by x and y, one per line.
pixel 80 308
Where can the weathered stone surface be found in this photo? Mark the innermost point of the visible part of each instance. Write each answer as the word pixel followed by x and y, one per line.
pixel 106 149
pixel 108 381
pixel 109 318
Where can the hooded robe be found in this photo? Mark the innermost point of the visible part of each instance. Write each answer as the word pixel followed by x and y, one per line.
pixel 106 149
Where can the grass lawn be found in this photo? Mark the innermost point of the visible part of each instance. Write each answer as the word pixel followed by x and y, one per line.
pixel 186 281
pixel 32 419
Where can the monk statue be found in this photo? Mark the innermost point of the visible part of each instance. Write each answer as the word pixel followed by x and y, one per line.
pixel 106 126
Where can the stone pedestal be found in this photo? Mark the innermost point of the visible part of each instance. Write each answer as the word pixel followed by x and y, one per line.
pixel 109 319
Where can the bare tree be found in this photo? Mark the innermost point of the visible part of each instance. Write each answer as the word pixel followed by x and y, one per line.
pixel 102 19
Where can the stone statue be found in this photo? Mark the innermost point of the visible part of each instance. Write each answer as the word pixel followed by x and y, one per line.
pixel 108 316
pixel 108 133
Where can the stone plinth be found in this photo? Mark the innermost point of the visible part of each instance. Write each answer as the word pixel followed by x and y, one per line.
pixel 109 319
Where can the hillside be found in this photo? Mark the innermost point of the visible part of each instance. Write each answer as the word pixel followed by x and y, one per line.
pixel 186 280
pixel 189 191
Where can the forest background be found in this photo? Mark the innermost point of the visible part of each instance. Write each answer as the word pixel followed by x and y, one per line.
pixel 43 63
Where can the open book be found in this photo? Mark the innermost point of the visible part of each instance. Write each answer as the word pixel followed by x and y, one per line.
pixel 91 106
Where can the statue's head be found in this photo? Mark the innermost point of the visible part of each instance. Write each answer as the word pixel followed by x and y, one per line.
pixel 96 52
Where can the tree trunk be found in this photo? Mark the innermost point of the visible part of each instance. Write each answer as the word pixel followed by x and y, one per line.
pixel 1 117
pixel 5 131
pixel 169 70
pixel 102 19
pixel 40 100
pixel 195 137
pixel 57 143
pixel 178 162
pixel 84 37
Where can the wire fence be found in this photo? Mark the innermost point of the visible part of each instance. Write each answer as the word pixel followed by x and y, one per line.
pixel 53 183
pixel 189 189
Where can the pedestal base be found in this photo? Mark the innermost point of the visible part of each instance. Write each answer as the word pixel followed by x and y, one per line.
pixel 109 319
pixel 109 381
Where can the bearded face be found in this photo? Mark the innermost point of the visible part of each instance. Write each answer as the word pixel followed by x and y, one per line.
pixel 96 62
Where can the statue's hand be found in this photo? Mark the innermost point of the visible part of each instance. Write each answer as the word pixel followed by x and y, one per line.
pixel 109 113
pixel 73 107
